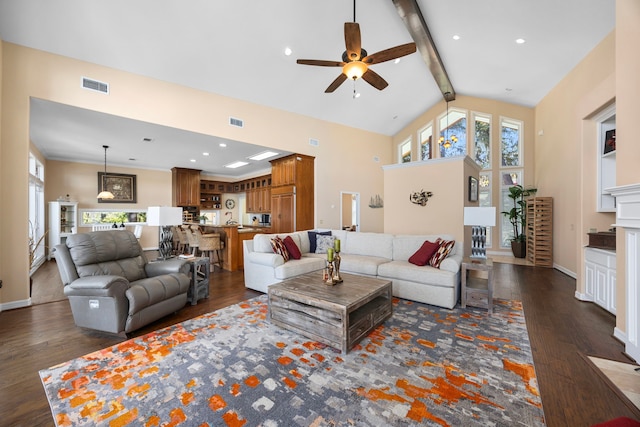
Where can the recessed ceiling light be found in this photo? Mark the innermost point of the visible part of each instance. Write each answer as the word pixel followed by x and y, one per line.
pixel 192 160
pixel 205 154
pixel 456 37
pixel 288 51
pixel 396 61
pixel 263 155
pixel 520 41
pixel 357 95
pixel 235 165
pixel 222 144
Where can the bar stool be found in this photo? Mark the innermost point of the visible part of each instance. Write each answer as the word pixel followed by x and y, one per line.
pixel 212 244
pixel 192 237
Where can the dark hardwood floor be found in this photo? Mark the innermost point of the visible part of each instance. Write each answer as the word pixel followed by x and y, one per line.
pixel 561 330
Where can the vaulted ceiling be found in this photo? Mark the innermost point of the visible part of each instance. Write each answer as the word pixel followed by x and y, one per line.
pixel 236 49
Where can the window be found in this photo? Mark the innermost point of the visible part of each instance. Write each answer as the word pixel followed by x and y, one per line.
pixel 36 212
pixel 508 178
pixel 482 140
pixel 425 136
pixel 106 216
pixel 511 142
pixel 454 130
pixel 405 151
pixel 484 198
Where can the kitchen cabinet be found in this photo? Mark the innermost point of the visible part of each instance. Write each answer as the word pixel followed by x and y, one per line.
pixel 210 197
pixel 63 222
pixel 292 191
pixel 258 194
pixel 600 277
pixel 185 187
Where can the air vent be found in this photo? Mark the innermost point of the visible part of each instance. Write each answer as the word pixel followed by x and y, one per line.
pixel 236 122
pixel 95 85
pixel 314 142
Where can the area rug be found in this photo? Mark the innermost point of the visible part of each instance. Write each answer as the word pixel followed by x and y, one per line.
pixel 425 366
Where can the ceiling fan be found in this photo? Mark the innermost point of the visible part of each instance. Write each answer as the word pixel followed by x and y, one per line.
pixel 356 61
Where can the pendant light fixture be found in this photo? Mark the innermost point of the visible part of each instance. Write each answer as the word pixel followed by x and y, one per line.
pixel 447 142
pixel 105 194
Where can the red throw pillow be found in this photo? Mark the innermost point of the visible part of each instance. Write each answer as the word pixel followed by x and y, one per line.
pixel 424 254
pixel 292 248
pixel 279 248
pixel 442 252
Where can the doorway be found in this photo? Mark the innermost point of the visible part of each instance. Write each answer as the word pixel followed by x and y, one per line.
pixel 349 211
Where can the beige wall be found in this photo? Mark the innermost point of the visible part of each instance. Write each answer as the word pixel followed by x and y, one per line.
pixel 447 179
pixel 497 110
pixel 347 159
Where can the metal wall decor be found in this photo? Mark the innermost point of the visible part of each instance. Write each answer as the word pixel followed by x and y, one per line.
pixel 420 197
pixel 376 202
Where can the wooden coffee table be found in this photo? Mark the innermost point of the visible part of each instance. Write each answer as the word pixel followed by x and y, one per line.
pixel 339 315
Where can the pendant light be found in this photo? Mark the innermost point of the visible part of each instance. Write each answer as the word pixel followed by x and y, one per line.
pixel 105 194
pixel 447 142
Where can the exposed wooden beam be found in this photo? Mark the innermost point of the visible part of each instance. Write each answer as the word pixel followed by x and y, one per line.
pixel 410 13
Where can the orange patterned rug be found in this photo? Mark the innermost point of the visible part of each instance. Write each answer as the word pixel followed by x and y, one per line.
pixel 425 366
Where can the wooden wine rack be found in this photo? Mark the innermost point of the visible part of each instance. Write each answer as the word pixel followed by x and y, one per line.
pixel 540 231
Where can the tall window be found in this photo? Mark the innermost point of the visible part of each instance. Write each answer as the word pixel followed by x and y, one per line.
pixel 426 137
pixel 484 198
pixel 36 212
pixel 508 179
pixel 511 142
pixel 454 130
pixel 482 140
pixel 404 151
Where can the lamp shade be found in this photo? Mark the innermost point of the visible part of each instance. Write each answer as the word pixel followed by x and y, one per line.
pixel 480 216
pixel 164 215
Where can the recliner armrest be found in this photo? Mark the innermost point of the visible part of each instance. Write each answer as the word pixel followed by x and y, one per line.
pixel 97 286
pixel 174 265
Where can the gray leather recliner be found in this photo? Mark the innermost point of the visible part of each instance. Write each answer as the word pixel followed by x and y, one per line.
pixel 110 285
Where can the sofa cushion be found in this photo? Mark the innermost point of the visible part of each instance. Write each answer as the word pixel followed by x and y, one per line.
pixel 292 248
pixel 300 266
pixel 371 244
pixel 313 241
pixel 442 252
pixel 361 264
pixel 279 248
pixel 422 256
pixel 323 243
pixel 404 270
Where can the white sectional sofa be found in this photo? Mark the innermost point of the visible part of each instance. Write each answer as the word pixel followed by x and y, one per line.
pixel 372 254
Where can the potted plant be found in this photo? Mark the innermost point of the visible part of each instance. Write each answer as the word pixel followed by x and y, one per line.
pixel 203 219
pixel 517 216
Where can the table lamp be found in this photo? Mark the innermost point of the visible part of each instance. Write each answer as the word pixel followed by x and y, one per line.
pixel 164 217
pixel 479 219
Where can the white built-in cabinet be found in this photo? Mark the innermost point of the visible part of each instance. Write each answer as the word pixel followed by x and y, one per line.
pixel 606 156
pixel 600 277
pixel 63 222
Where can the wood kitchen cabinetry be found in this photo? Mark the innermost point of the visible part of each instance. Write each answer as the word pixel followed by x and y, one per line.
pixel 292 192
pixel 258 191
pixel 185 187
pixel 210 196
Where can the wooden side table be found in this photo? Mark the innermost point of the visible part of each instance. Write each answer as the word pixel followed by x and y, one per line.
pixel 199 286
pixel 477 291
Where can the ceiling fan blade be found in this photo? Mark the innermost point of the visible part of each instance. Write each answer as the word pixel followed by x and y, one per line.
pixel 352 40
pixel 374 79
pixel 389 54
pixel 337 82
pixel 320 62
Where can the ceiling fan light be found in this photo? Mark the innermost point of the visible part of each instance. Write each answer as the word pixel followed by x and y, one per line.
pixel 354 69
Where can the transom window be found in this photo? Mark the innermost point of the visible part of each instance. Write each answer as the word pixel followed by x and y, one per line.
pixel 482 140
pixel 511 142
pixel 425 137
pixel 454 130
pixel 404 151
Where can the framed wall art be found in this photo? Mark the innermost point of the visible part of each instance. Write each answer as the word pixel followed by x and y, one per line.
pixel 123 187
pixel 473 189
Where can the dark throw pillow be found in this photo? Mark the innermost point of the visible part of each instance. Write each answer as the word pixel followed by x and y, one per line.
pixel 279 248
pixel 292 248
pixel 312 239
pixel 442 252
pixel 424 254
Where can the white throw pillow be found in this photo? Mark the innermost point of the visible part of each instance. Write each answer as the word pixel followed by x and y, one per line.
pixel 323 243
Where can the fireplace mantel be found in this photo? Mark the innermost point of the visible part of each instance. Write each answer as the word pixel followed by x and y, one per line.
pixel 628 218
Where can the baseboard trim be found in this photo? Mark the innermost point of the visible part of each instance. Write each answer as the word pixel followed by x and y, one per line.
pixel 583 297
pixel 15 304
pixel 565 271
pixel 620 335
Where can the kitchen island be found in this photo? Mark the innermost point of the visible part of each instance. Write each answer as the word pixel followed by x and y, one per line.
pixel 232 236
